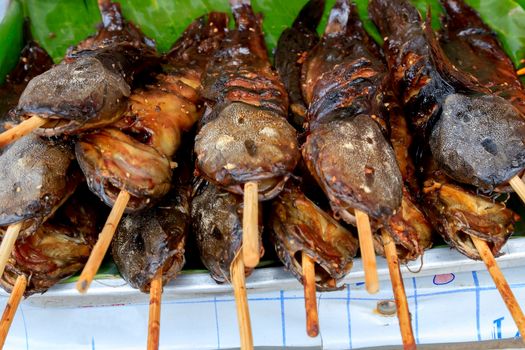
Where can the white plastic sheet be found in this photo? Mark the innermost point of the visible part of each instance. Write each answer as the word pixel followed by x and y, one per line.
pixel 447 307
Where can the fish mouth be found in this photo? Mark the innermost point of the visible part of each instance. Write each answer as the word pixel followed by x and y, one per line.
pixel 323 278
pixel 460 214
pixel 298 226
pixel 57 125
pixel 268 188
pixel 112 162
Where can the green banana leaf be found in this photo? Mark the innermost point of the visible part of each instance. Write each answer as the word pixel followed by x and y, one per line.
pixel 58 24
pixel 12 38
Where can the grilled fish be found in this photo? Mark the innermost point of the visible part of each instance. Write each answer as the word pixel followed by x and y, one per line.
pixel 38 176
pixel 298 225
pixel 472 47
pixel 244 134
pixel 475 137
pixel 290 53
pixel 216 217
pixel 153 239
pixel 60 246
pixel 90 88
pixel 345 84
pixel 134 154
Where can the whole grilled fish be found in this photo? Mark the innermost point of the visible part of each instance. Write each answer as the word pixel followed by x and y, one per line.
pixel 298 225
pixel 346 86
pixel 216 217
pixel 457 211
pixel 90 88
pixel 244 135
pixel 60 246
pixel 134 154
pixel 475 137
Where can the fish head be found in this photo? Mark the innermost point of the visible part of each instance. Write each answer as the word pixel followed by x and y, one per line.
pixel 479 140
pixel 355 165
pixel 74 96
pixel 247 143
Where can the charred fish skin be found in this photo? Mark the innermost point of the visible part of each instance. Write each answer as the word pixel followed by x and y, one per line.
pixel 290 53
pixel 345 84
pixel 134 154
pixel 38 176
pixel 297 225
pixel 244 134
pixel 216 217
pixel 153 239
pixel 430 87
pixel 90 88
pixel 60 246
pixel 473 47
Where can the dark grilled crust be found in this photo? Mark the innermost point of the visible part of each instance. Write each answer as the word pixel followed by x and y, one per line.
pixel 474 48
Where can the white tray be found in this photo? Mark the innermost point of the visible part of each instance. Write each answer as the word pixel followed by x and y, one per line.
pixel 115 290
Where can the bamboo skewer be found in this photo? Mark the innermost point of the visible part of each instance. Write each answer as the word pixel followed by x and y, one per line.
pixel 21 130
pixel 366 245
pixel 102 245
pixel 501 283
pixel 155 297
pixel 8 242
pixel 11 307
pixel 403 314
pixel 241 302
pixel 310 299
pixel 518 186
pixel 250 225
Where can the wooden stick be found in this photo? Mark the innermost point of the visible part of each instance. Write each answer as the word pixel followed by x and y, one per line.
pixel 310 299
pixel 250 226
pixel 241 302
pixel 8 242
pixel 400 296
pixel 518 186
pixel 21 130
pixel 501 283
pixel 155 296
pixel 102 245
pixel 368 255
pixel 11 307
